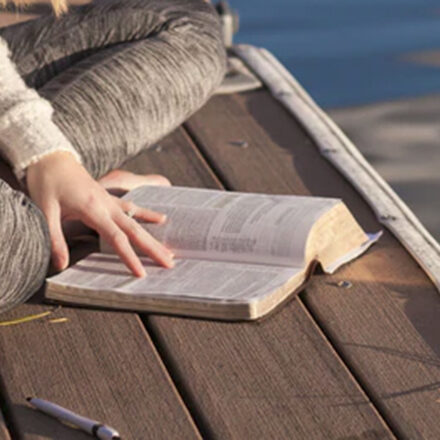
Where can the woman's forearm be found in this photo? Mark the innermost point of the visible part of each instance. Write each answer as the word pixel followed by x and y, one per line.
pixel 26 128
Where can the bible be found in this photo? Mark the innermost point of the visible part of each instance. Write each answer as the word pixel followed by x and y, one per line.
pixel 237 255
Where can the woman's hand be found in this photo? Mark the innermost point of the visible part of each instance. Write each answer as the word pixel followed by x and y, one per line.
pixel 64 190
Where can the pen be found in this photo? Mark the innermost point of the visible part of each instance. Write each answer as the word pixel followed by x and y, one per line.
pixel 92 427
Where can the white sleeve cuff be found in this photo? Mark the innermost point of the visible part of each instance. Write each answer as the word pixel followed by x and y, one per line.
pixel 28 133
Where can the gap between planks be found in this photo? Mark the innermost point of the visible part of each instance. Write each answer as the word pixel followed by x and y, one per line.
pixel 157 322
pixel 36 369
pixel 385 328
pixel 312 396
pixel 99 363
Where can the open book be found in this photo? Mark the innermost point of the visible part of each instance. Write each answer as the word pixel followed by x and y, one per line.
pixel 238 255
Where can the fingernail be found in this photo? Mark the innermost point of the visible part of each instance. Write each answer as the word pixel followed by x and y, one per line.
pixel 169 258
pixel 168 251
pixel 142 274
pixel 164 218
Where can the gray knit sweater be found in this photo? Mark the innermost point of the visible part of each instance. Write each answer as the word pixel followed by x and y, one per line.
pixel 27 132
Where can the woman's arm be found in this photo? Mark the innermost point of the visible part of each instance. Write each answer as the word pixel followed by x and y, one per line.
pixel 64 190
pixel 27 132
pixel 194 64
pixel 50 169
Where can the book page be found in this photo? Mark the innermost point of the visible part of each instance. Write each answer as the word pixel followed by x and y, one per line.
pixel 372 238
pixel 231 226
pixel 202 280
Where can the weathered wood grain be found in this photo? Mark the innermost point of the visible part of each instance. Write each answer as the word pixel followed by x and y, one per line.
pixel 274 379
pixel 279 377
pixel 387 326
pixel 100 364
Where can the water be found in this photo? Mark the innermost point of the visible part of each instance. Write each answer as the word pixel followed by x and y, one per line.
pixel 348 52
pixel 374 65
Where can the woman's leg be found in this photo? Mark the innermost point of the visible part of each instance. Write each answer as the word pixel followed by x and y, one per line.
pixel 141 67
pixel 25 248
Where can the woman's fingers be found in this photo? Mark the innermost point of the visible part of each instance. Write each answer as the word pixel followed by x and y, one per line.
pixel 60 251
pixel 111 233
pixel 145 241
pixel 158 180
pixel 61 184
pixel 119 231
pixel 139 236
pixel 144 214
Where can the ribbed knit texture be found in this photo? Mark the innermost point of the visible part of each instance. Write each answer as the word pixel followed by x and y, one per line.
pixel 24 252
pixel 27 131
pixel 114 76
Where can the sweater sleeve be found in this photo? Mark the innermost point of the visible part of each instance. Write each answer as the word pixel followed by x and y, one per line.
pixel 27 132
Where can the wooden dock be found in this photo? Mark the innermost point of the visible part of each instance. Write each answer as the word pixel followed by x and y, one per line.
pixel 360 363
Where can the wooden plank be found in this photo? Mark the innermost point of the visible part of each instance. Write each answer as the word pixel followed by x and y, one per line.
pixel 350 412
pixel 274 379
pixel 100 364
pixel 387 326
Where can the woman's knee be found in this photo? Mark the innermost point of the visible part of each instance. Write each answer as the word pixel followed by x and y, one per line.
pixel 25 248
pixel 141 19
pixel 155 15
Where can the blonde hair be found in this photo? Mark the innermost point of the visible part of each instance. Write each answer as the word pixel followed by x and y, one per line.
pixel 59 6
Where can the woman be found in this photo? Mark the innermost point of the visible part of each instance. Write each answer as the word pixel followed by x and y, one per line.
pixel 113 76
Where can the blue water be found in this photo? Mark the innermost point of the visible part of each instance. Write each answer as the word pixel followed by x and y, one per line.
pixel 348 52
